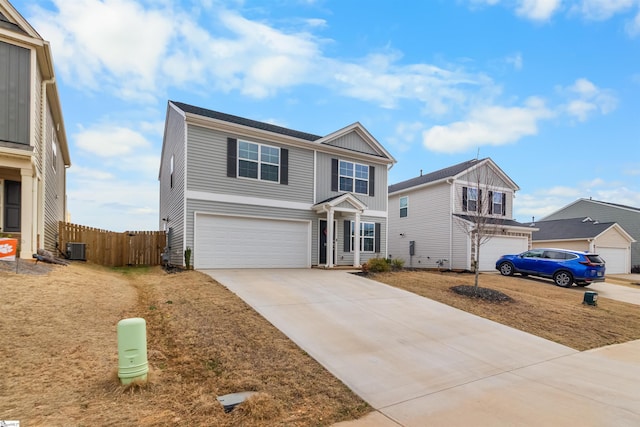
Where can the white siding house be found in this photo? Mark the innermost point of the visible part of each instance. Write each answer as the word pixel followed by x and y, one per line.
pixel 433 217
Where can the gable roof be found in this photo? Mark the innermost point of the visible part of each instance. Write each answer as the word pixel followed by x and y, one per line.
pixel 597 202
pixel 293 137
pixel 448 173
pixel 244 122
pixel 573 228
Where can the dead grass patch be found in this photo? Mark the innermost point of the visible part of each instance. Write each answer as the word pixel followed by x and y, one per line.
pixel 539 307
pixel 59 348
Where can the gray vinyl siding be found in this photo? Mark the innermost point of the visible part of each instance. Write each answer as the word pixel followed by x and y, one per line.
pixel 377 203
pixel 428 223
pixel 172 198
pixel 207 163
pixel 628 219
pixel 54 205
pixel 15 88
pixel 353 141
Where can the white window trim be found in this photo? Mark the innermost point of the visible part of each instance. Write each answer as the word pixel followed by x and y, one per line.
pixel 362 237
pixel 259 162
pixel 406 206
pixel 493 203
pixel 352 177
pixel 54 150
pixel 469 199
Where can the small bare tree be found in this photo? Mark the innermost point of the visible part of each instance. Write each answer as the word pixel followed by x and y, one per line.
pixel 479 201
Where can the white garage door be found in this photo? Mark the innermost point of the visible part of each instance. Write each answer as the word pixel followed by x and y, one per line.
pixel 241 242
pixel 498 246
pixel 617 260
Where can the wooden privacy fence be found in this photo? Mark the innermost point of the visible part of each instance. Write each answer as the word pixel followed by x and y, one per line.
pixel 113 249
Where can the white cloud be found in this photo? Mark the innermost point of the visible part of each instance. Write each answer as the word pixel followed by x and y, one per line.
pixel 515 60
pixel 588 99
pixel 110 141
pixel 633 26
pixel 488 125
pixel 537 10
pixel 405 135
pixel 602 9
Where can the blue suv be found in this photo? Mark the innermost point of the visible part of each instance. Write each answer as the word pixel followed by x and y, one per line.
pixel 563 266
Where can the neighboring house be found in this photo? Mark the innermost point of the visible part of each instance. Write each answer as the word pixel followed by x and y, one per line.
pixel 607 239
pixel 626 217
pixel 242 193
pixel 33 147
pixel 432 217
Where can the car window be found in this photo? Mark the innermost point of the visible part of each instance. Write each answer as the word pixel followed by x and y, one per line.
pixel 595 259
pixel 533 254
pixel 554 255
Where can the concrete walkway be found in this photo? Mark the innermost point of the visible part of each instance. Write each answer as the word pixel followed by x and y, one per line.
pixel 419 362
pixel 617 292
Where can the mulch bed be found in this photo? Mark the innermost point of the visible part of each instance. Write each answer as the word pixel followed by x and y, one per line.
pixel 485 294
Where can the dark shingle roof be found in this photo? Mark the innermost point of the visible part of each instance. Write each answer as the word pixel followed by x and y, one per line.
pixel 495 221
pixel 617 205
pixel 448 172
pixel 245 122
pixel 573 228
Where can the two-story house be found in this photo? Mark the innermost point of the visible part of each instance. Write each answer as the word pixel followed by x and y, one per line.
pixel 247 194
pixel 33 147
pixel 433 218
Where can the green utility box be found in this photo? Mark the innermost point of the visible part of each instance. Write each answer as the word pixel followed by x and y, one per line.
pixel 590 298
pixel 132 350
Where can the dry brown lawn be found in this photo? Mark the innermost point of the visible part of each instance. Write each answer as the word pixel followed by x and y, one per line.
pixel 539 307
pixel 58 355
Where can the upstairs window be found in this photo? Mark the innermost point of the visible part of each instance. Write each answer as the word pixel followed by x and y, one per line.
pixel 54 151
pixel 472 199
pixel 354 177
pixel 498 203
pixel 171 173
pixel 404 206
pixel 258 161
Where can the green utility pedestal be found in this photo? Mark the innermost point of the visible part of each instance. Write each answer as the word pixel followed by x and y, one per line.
pixel 132 350
pixel 590 298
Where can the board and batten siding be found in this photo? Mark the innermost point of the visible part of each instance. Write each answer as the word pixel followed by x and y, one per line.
pixel 15 93
pixel 207 166
pixel 353 141
pixel 628 219
pixel 172 204
pixel 377 202
pixel 428 224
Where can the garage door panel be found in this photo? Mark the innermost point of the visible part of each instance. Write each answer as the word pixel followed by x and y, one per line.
pixel 498 246
pixel 238 242
pixel 617 260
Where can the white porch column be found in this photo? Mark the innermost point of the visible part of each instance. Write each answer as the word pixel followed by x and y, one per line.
pixel 356 241
pixel 330 234
pixel 28 215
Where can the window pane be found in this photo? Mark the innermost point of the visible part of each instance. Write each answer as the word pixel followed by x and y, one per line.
pixel 346 184
pixel 472 194
pixel 404 202
pixel 362 187
pixel 367 244
pixel 270 155
pixel 247 169
pixel 269 172
pixel 248 151
pixel 497 197
pixel 346 168
pixel 403 212
pixel 368 229
pixel 362 171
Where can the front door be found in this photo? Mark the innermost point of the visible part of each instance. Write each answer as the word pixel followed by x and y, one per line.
pixel 12 200
pixel 323 242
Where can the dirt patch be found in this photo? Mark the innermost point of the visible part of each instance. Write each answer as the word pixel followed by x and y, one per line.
pixel 539 307
pixel 22 266
pixel 59 348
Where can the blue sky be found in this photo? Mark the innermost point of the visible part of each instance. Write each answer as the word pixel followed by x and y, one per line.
pixel 549 89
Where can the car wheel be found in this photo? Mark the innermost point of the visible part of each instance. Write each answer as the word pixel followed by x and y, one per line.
pixel 506 269
pixel 563 279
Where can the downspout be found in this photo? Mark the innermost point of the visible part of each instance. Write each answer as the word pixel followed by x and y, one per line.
pixel 452 195
pixel 43 157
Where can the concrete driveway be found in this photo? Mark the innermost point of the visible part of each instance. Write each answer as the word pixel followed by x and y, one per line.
pixel 616 292
pixel 419 362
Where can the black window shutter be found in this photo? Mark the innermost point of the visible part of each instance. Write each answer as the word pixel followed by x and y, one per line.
pixel 372 181
pixel 377 237
pixel 479 207
pixel 334 174
pixel 347 236
pixel 504 203
pixel 464 198
pixel 232 150
pixel 490 202
pixel 284 166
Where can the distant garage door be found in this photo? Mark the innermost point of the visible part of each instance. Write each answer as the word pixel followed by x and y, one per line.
pixel 617 260
pixel 498 246
pixel 242 242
